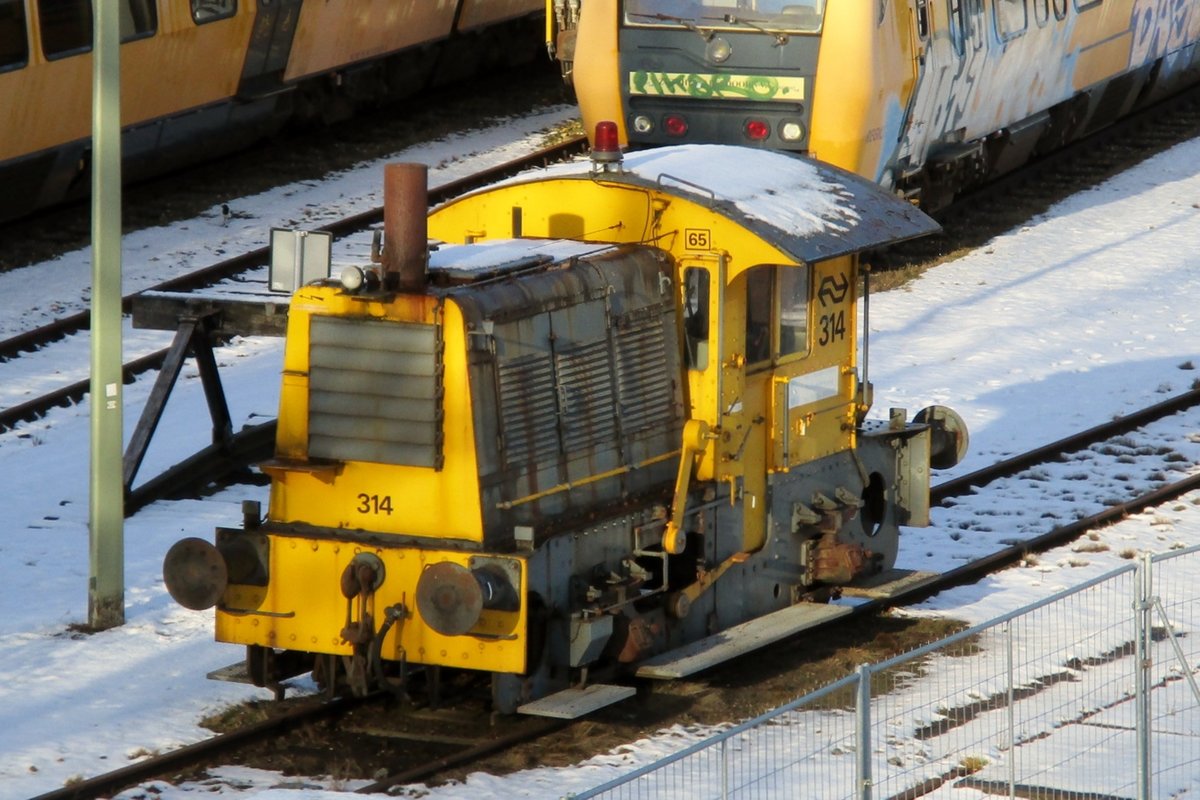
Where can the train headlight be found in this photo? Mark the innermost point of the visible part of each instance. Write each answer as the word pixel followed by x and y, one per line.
pixel 356 279
pixel 791 131
pixel 718 50
pixel 757 130
pixel 675 125
pixel 352 279
pixel 643 124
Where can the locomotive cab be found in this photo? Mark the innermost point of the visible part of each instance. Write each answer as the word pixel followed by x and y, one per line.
pixel 615 409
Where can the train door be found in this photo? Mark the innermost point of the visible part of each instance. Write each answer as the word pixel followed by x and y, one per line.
pixel 813 376
pixel 270 46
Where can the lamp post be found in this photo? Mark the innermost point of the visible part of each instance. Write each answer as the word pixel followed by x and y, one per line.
pixel 106 509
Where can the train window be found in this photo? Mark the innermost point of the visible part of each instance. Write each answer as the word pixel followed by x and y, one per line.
pixel 760 285
pixel 758 17
pixel 1012 18
pixel 923 18
pixel 973 24
pixel 1041 11
pixel 66 27
pixel 1060 9
pixel 793 310
pixel 139 19
pixel 695 317
pixel 14 39
pixel 958 25
pixel 212 10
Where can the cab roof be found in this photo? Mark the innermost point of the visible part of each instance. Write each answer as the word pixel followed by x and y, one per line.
pixel 811 210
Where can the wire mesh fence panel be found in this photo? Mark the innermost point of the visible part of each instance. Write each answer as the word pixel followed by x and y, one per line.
pixel 806 753
pixel 804 750
pixel 1175 674
pixel 1043 702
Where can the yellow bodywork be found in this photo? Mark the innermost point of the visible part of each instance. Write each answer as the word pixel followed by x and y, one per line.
pixel 870 71
pixel 423 501
pixel 597 78
pixel 308 611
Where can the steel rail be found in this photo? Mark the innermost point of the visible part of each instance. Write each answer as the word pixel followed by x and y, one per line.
pixel 1050 452
pixel 196 754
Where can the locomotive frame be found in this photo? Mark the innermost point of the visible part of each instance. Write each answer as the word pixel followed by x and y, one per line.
pixel 555 449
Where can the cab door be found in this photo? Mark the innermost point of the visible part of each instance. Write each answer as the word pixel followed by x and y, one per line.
pixel 814 375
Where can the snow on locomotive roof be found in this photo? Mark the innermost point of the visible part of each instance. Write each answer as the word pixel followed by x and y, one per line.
pixel 811 209
pixel 495 256
pixel 783 190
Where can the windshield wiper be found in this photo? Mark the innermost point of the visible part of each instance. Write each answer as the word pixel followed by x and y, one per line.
pixel 704 33
pixel 781 38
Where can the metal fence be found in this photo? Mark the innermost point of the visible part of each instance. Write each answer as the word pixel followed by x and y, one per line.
pixel 1090 694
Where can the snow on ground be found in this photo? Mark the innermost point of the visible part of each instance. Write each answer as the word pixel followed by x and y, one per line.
pixel 1083 314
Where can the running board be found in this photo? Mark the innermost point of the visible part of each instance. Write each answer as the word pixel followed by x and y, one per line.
pixel 889 583
pixel 577 702
pixel 739 640
pixel 234 673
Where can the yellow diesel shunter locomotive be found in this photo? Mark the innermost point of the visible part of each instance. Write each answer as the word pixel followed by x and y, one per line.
pixel 614 410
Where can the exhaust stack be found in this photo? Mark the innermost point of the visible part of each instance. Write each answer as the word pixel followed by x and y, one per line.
pixel 405 227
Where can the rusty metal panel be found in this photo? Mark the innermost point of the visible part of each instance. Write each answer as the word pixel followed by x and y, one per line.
pixel 583 363
pixel 528 409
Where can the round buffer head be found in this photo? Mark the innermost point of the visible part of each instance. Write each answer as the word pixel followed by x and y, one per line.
pixel 449 598
pixel 195 573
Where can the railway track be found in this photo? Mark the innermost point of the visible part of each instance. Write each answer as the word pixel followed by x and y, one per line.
pixel 375 725
pixel 963 575
pixel 299 722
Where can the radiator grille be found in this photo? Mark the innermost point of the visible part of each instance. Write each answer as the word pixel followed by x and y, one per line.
pixel 374 392
pixel 587 396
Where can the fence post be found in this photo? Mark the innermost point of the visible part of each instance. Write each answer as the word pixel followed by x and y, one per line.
pixel 1142 606
pixel 724 769
pixel 863 719
pixel 1012 717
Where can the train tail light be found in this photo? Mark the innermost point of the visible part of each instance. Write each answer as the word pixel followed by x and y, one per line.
pixel 757 130
pixel 675 125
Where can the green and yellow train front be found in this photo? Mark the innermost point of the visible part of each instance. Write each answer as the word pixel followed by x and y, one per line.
pixel 828 80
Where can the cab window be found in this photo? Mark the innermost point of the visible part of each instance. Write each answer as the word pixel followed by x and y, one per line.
pixel 212 10
pixel 695 317
pixel 759 300
pixel 793 310
pixel 66 27
pixel 776 313
pixel 14 39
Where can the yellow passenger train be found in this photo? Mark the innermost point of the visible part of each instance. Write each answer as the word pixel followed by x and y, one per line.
pixel 926 97
pixel 203 77
pixel 615 410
